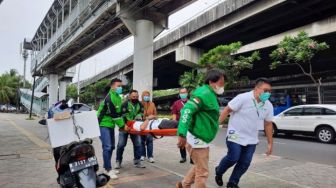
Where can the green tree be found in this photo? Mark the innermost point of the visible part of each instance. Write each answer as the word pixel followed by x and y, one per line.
pixel 71 91
pixel 88 96
pixel 299 50
pixel 11 81
pixel 224 57
pixel 7 88
pixel 101 86
pixel 191 80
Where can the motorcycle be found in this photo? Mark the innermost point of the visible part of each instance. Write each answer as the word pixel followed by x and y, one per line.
pixel 77 164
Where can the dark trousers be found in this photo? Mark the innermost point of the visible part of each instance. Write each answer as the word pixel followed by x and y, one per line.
pixel 238 155
pixel 147 146
pixel 136 139
pixel 183 153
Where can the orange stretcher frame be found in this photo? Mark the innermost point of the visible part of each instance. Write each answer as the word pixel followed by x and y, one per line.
pixel 156 132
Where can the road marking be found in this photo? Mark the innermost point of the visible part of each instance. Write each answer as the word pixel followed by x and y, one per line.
pixel 274 142
pixel 166 169
pixel 108 186
pixel 274 178
pixel 30 136
pixel 139 178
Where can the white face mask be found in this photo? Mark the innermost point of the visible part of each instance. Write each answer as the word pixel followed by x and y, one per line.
pixel 219 90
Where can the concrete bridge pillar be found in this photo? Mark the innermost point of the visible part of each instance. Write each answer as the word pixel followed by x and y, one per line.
pixel 62 90
pixel 53 89
pixel 143 56
pixel 144 26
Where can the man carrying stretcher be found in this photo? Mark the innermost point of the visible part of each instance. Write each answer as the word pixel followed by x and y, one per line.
pixel 151 123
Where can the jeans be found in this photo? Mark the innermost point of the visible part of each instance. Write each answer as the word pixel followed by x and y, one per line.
pixel 147 140
pixel 108 143
pixel 136 139
pixel 239 155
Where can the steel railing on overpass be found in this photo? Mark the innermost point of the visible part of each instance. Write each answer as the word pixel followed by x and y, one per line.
pixel 79 14
pixel 41 83
pixel 40 104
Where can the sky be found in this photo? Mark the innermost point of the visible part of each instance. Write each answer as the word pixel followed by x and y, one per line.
pixel 20 19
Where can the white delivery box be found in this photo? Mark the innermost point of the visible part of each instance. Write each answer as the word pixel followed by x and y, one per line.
pixel 62 132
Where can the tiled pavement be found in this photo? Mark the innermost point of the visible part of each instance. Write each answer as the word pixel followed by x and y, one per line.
pixel 26 161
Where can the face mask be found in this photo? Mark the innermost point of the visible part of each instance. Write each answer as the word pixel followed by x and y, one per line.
pixel 219 90
pixel 119 90
pixel 134 100
pixel 183 95
pixel 146 98
pixel 264 96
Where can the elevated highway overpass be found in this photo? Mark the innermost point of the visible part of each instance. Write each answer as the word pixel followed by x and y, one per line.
pixel 74 30
pixel 259 24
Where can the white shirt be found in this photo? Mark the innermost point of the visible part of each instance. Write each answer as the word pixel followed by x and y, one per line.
pixel 196 142
pixel 154 123
pixel 247 118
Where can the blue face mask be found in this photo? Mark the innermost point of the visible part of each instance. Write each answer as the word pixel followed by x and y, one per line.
pixel 264 96
pixel 146 98
pixel 183 95
pixel 119 90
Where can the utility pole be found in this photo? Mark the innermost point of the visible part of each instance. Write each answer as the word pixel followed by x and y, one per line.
pixel 33 89
pixel 25 56
pixel 78 89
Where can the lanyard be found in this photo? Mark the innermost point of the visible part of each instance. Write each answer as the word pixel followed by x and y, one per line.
pixel 257 108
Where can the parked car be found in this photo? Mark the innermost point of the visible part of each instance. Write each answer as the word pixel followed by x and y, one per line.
pixel 3 107
pixel 7 108
pixel 11 108
pixel 317 120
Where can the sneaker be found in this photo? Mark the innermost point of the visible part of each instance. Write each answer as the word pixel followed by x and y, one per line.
pixel 179 185
pixel 151 160
pixel 139 165
pixel 58 179
pixel 191 161
pixel 218 178
pixel 142 158
pixel 112 175
pixel 183 160
pixel 116 171
pixel 232 185
pixel 118 165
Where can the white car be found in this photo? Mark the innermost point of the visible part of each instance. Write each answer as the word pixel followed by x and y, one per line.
pixel 318 120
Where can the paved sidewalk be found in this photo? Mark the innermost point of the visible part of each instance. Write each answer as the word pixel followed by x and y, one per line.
pixel 26 161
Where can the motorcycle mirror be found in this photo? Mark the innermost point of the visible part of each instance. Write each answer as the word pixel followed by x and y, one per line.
pixel 70 102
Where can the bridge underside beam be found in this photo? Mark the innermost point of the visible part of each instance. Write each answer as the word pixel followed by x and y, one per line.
pixel 315 29
pixel 187 55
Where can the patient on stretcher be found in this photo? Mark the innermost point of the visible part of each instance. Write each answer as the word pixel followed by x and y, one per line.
pixel 151 123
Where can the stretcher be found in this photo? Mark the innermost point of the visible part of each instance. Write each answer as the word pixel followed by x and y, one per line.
pixel 155 133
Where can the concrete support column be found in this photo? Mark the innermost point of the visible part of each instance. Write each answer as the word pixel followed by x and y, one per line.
pixel 62 90
pixel 143 56
pixel 53 89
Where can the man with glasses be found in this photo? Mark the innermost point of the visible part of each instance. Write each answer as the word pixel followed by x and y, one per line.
pixel 249 112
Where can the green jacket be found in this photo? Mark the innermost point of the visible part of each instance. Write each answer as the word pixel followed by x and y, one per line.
pixel 200 115
pixel 132 111
pixel 109 111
